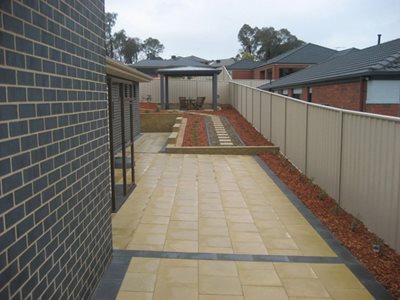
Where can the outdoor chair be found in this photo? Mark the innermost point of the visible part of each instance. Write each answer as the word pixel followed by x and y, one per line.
pixel 183 103
pixel 199 102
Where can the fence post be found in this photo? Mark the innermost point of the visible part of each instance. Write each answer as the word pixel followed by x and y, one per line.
pixel 261 111
pixel 252 107
pixel 339 179
pixel 284 140
pixel 306 144
pixel 270 117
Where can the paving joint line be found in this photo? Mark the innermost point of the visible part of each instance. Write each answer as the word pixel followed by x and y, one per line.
pixel 228 256
pixel 363 275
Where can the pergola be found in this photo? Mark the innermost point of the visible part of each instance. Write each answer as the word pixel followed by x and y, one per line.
pixel 186 71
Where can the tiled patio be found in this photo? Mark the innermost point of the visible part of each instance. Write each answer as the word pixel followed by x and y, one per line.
pixel 218 227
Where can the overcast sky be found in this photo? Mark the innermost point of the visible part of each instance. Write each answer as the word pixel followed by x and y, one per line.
pixel 209 28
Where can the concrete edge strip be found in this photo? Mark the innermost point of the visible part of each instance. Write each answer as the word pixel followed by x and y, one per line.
pixel 362 274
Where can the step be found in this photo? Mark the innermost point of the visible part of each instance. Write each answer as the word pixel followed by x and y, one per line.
pixel 172 138
pixel 178 120
pixel 176 127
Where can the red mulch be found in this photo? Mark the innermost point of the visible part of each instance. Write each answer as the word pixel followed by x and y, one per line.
pixel 243 128
pixel 195 132
pixel 385 266
pixel 352 233
pixel 148 107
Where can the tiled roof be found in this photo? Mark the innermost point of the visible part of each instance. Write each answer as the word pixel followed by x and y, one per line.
pixel 306 54
pixel 245 65
pixel 223 62
pixel 378 59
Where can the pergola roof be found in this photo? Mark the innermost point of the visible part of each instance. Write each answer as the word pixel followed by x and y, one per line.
pixel 189 71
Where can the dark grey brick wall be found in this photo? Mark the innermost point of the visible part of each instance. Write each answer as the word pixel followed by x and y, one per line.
pixel 55 221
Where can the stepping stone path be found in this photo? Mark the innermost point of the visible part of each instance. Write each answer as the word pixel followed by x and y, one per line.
pixel 223 136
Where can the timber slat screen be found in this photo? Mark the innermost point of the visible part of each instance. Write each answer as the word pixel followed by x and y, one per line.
pixel 121 97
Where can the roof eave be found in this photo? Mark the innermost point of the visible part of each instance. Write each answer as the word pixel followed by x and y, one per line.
pixel 116 69
pixel 334 78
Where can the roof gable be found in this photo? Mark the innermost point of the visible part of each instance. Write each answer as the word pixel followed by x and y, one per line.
pixel 306 54
pixel 378 59
pixel 245 64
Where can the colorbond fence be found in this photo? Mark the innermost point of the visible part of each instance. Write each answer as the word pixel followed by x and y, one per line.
pixel 353 156
pixel 196 87
pixel 191 88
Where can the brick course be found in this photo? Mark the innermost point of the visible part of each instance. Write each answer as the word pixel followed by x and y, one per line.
pixel 242 74
pixel 55 223
pixel 341 95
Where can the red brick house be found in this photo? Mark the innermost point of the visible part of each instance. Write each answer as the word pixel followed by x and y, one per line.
pixel 363 80
pixel 281 65
pixel 244 69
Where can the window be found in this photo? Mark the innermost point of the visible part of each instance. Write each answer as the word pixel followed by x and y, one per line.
pixel 285 92
pixel 262 74
pixel 383 92
pixel 287 71
pixel 269 74
pixel 297 93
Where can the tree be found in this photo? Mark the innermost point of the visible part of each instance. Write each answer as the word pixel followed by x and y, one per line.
pixel 120 39
pixel 152 48
pixel 247 56
pixel 130 50
pixel 247 36
pixel 109 24
pixel 275 42
pixel 266 42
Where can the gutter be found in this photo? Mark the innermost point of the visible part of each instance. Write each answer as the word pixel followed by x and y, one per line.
pixel 116 69
pixel 336 78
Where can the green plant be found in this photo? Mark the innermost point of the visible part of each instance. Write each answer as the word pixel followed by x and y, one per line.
pixel 148 98
pixel 377 246
pixel 302 177
pixel 337 209
pixel 322 195
pixel 157 108
pixel 147 111
pixel 282 161
pixel 354 224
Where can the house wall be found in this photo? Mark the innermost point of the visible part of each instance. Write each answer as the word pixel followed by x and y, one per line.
pixel 346 95
pixel 275 69
pixel 55 223
pixel 242 74
pixel 340 95
pixel 384 109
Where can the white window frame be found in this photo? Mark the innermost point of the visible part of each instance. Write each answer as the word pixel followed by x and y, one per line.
pixel 383 92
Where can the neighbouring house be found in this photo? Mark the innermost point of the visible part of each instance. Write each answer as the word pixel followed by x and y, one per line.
pixel 282 65
pixel 150 66
pixel 225 62
pixel 244 69
pixel 365 80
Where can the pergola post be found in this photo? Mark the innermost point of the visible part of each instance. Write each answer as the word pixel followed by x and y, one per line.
pixel 166 93
pixel 162 92
pixel 214 91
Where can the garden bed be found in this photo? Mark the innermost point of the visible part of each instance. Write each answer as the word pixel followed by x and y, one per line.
pixel 195 132
pixel 147 107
